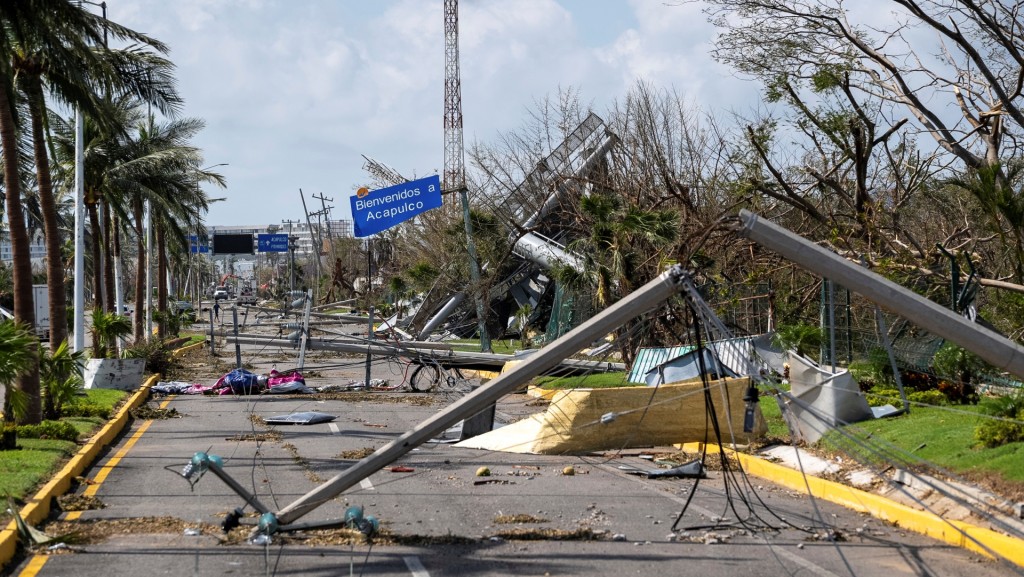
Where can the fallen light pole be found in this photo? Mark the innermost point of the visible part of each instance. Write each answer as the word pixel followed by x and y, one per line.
pixel 994 348
pixel 436 353
pixel 650 296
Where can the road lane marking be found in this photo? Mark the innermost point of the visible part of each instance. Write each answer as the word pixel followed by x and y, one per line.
pixel 415 567
pixel 34 566
pixel 107 467
pixel 816 569
pixel 365 483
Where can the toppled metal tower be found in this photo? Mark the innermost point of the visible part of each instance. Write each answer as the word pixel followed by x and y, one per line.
pixel 535 229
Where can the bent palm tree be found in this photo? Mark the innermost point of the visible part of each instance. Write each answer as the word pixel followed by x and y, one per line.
pixel 162 167
pixel 53 38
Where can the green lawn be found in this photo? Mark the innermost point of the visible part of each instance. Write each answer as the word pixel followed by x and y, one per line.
pixel 192 339
pixel 22 470
pixel 593 381
pixel 501 347
pixel 25 469
pixel 941 435
pixel 104 397
pixel 777 428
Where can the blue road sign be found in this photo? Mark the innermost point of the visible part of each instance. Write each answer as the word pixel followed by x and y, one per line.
pixel 195 246
pixel 384 208
pixel 272 243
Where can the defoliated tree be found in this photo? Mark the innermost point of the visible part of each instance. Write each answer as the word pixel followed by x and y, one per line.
pixel 974 70
pixel 869 88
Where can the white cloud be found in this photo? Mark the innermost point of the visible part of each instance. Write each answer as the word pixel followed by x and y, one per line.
pixel 294 92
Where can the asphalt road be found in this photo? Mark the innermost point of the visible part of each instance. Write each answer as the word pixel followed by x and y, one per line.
pixel 437 519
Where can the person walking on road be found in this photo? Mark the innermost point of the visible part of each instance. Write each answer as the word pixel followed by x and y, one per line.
pixel 216 311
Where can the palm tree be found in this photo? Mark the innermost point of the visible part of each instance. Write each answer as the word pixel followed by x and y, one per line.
pixel 17 346
pixel 620 243
pixel 101 153
pixel 107 328
pixel 152 162
pixel 164 168
pixel 174 220
pixel 60 373
pixel 54 39
pixel 69 72
pixel 621 247
pixel 28 379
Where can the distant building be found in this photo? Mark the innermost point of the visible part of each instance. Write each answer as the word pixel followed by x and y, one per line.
pixel 305 238
pixel 36 247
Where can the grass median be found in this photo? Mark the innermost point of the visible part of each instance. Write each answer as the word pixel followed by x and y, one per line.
pixel 26 468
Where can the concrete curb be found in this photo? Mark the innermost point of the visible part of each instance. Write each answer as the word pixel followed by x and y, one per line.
pixel 178 353
pixel 38 507
pixel 960 534
pixel 539 393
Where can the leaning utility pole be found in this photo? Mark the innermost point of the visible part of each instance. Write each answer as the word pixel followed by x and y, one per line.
pixel 454 154
pixel 327 218
pixel 316 242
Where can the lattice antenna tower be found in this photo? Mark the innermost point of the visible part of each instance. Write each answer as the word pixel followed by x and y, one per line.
pixel 454 154
pixel 454 177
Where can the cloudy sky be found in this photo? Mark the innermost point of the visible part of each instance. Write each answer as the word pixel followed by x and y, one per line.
pixel 294 93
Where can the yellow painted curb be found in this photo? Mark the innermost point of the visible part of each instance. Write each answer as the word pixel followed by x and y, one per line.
pixel 971 537
pixel 509 365
pixel 539 393
pixel 38 507
pixel 176 353
pixel 479 374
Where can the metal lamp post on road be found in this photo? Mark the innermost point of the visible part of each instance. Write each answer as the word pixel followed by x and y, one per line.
pixel 292 245
pixel 197 248
pixel 79 320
